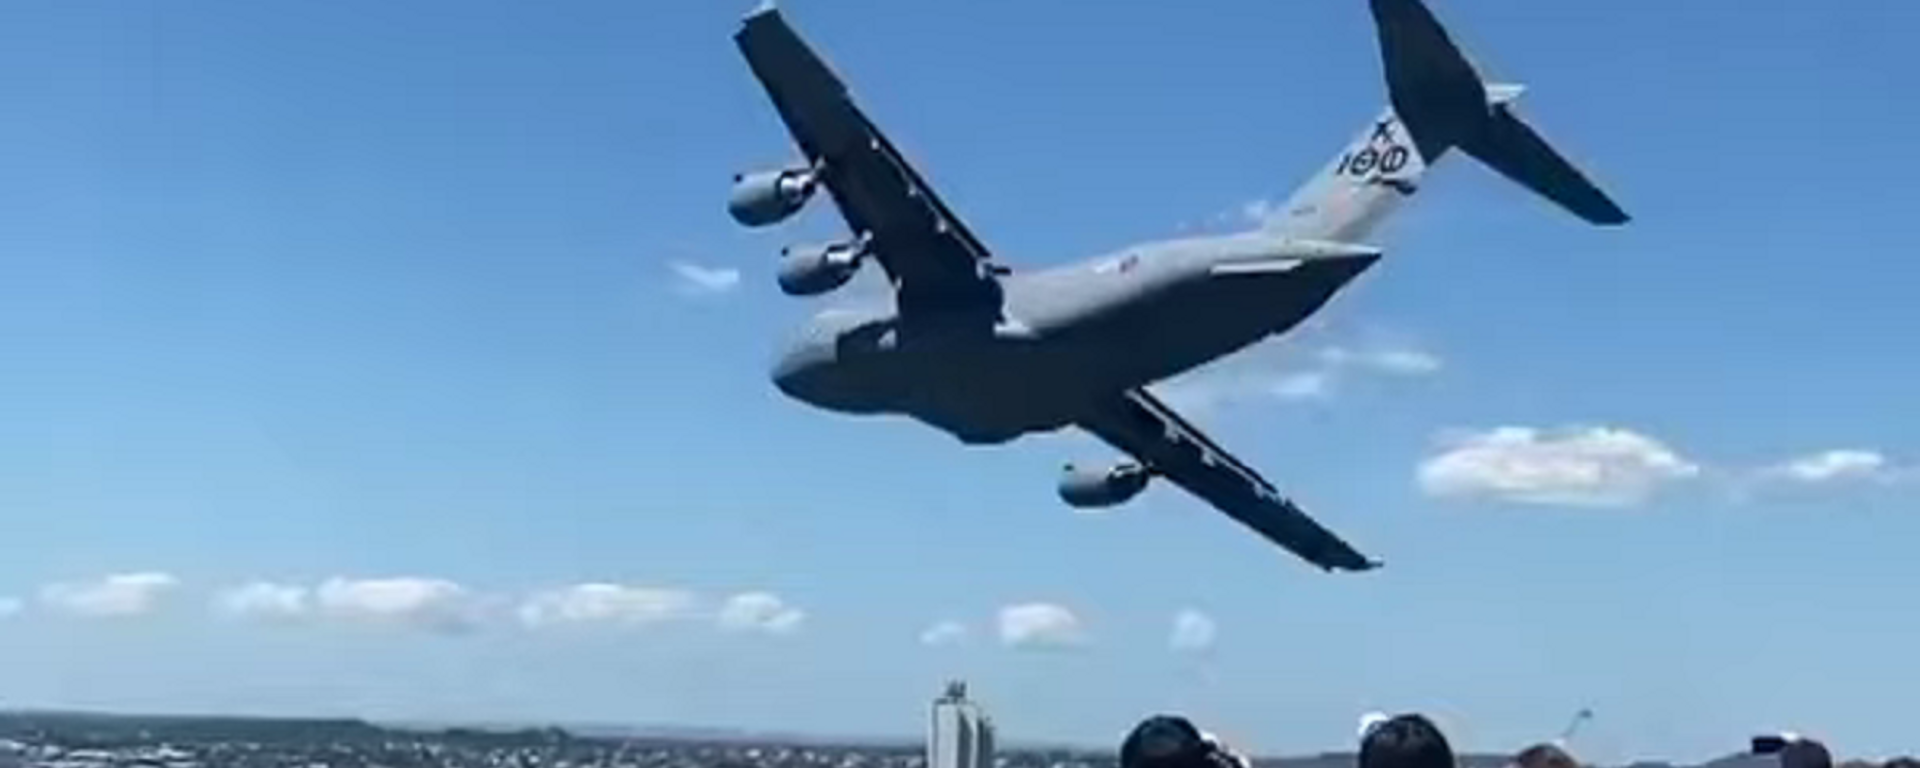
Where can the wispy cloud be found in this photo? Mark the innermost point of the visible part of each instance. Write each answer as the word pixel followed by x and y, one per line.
pixel 1252 213
pixel 1258 213
pixel 691 279
pixel 1193 632
pixel 762 612
pixel 1571 466
pixel 266 600
pixel 944 633
pixel 444 606
pixel 1304 385
pixel 1267 373
pixel 118 595
pixel 1396 361
pixel 435 605
pixel 1040 626
pixel 1834 466
pixel 1837 470
pixel 10 607
pixel 601 603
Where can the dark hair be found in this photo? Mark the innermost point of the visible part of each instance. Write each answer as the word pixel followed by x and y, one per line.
pixel 1407 741
pixel 1806 753
pixel 1172 741
pixel 1545 756
pixel 1162 741
pixel 1902 762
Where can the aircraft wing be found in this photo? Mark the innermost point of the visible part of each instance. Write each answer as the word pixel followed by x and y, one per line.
pixel 930 256
pixel 1170 446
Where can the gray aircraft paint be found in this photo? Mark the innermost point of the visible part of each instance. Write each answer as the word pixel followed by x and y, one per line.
pixel 989 354
pixel 1069 334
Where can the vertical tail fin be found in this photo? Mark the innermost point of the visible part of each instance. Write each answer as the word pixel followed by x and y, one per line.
pixel 1359 187
pixel 1438 103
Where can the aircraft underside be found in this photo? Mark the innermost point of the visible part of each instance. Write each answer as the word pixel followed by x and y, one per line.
pixel 990 389
pixel 987 353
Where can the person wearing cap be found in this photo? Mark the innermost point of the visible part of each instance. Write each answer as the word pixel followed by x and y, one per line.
pixel 1172 741
pixel 1404 741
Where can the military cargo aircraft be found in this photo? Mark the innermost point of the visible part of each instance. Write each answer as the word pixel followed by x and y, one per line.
pixel 988 353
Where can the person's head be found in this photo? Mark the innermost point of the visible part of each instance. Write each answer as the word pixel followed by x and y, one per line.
pixel 1805 753
pixel 1545 756
pixel 1171 741
pixel 1406 741
pixel 1902 762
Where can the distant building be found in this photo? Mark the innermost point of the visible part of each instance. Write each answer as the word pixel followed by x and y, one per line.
pixel 960 734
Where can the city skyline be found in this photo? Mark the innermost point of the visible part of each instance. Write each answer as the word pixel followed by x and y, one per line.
pixel 150 736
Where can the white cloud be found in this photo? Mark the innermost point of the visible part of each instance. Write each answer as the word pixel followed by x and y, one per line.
pixel 1581 466
pixel 1268 373
pixel 1406 362
pixel 10 607
pixel 606 604
pixel 1193 632
pixel 944 633
pixel 1236 218
pixel 421 603
pixel 1040 626
pixel 1259 212
pixel 265 600
pixel 760 612
pixel 1191 394
pixel 1306 385
pixel 1395 361
pixel 124 594
pixel 1833 466
pixel 1233 381
pixel 698 280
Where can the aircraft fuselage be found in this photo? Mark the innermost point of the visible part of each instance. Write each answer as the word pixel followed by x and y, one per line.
pixel 1066 338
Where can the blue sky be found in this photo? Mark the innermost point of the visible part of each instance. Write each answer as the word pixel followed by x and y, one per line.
pixel 418 316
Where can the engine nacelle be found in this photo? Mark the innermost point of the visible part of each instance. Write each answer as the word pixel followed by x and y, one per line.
pixel 810 270
pixel 769 197
pixel 1102 487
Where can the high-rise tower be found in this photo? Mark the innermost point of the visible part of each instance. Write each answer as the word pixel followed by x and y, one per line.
pixel 960 735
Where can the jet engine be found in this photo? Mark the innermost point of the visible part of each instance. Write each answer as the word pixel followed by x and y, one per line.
pixel 1102 487
pixel 769 197
pixel 810 270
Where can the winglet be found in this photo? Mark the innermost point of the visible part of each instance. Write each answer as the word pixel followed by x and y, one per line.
pixel 765 7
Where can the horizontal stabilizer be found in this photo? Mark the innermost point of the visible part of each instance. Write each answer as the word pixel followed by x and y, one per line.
pixel 1511 147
